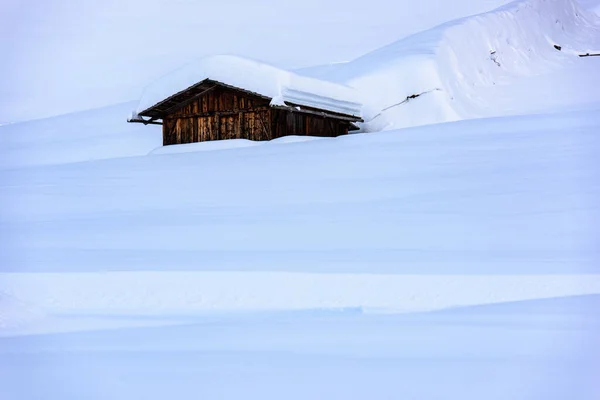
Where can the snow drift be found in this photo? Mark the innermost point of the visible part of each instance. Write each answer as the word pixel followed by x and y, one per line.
pixel 514 194
pixel 78 137
pixel 280 85
pixel 453 71
pixel 477 66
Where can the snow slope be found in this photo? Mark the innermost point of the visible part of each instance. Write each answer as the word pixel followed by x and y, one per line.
pixel 391 221
pixel 197 294
pixel 512 195
pixel 84 136
pixel 592 5
pixel 505 195
pixel 542 80
pixel 476 66
pixel 530 350
pixel 67 56
pixel 278 270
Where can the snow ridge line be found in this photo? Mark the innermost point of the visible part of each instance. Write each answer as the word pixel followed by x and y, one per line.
pixel 455 57
pixel 149 293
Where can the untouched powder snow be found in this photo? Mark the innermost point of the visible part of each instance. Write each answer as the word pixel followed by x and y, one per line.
pixel 456 68
pixel 206 146
pixel 84 136
pixel 280 85
pixel 472 212
pixel 284 269
pixel 513 195
pixel 544 349
pixel 230 144
pixel 593 5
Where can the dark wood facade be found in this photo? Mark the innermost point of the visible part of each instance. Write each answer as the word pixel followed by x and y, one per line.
pixel 215 111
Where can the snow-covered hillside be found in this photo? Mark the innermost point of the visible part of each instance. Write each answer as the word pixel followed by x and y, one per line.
pixel 451 67
pixel 77 137
pixel 376 265
pixel 469 197
pixel 67 56
pixel 508 195
pixel 532 350
pixel 480 66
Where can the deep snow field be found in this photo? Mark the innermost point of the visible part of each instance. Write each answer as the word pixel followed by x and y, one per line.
pixel 449 251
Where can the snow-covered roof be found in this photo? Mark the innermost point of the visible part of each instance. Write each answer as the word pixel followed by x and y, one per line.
pixel 279 85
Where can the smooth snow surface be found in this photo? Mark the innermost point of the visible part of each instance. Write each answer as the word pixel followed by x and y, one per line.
pixel 18 316
pixel 195 293
pixel 530 350
pixel 206 146
pixel 280 85
pixel 475 212
pixel 513 195
pixel 230 144
pixel 85 136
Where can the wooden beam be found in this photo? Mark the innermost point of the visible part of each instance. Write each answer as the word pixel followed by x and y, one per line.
pixel 266 133
pixel 225 113
pixel 188 101
pixel 240 128
pixel 318 113
pixel 307 108
pixel 144 121
pixel 218 126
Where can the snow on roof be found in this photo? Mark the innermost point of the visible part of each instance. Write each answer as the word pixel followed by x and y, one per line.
pixel 279 85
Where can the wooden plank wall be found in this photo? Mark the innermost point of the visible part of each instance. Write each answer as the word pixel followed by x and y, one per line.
pixel 313 125
pixel 227 114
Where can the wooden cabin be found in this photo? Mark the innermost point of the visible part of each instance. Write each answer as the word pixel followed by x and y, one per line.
pixel 213 110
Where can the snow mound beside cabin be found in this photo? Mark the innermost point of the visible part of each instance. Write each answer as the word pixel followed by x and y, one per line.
pixel 461 69
pixel 229 144
pixel 212 145
pixel 265 80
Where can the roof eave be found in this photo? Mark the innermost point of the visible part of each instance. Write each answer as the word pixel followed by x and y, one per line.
pixel 171 104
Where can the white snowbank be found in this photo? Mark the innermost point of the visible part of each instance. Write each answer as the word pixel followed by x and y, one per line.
pixel 205 146
pixel 297 139
pixel 456 67
pixel 513 194
pixel 280 85
pixel 84 136
pixel 229 144
pixel 521 351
